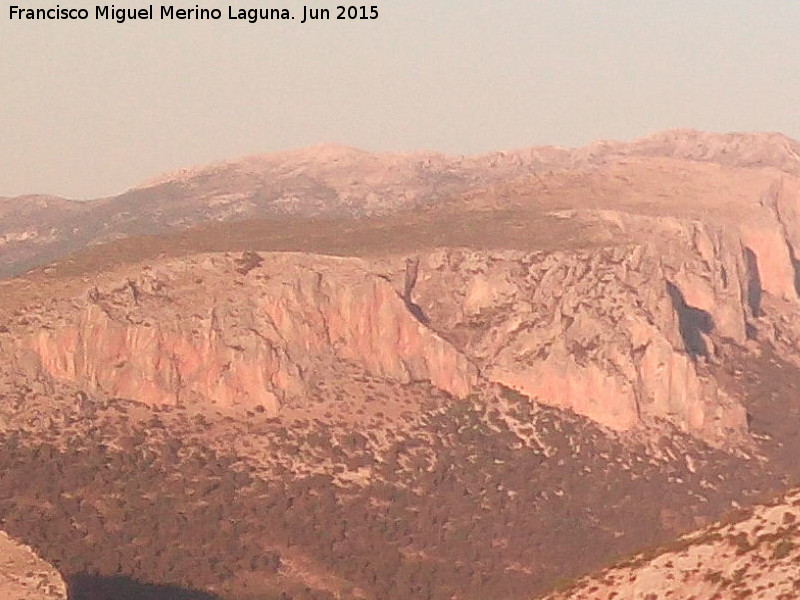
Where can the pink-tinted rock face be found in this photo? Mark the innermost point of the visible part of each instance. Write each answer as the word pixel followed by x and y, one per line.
pixel 614 334
pixel 163 364
pixel 585 389
pixel 217 336
pixel 784 199
pixel 711 275
pixel 361 319
pixel 596 332
pixel 772 258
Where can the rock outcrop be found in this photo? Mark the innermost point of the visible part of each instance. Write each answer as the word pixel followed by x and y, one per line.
pixel 201 331
pixel 606 333
pixel 25 576
pixel 443 365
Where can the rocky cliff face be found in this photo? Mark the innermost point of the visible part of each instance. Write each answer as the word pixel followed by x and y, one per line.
pixel 25 576
pixel 216 330
pixel 652 258
pixel 618 334
pixel 607 333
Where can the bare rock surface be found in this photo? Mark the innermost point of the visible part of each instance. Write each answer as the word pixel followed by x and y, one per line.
pixel 607 333
pixel 604 333
pixel 222 330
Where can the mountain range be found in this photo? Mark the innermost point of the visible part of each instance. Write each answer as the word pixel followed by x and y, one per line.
pixel 328 373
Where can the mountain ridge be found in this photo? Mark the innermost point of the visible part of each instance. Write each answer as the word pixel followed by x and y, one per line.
pixel 342 376
pixel 696 145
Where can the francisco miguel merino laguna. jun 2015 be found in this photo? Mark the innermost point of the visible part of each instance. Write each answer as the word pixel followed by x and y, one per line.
pixel 196 13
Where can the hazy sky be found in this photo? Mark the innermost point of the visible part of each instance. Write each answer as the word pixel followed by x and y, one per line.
pixel 91 108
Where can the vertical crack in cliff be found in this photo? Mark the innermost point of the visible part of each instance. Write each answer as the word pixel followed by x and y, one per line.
pixel 275 352
pixel 694 323
pixel 323 319
pixel 412 272
pixel 180 384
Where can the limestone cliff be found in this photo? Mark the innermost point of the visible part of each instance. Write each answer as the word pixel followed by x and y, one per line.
pixel 618 334
pixel 209 330
pixel 606 333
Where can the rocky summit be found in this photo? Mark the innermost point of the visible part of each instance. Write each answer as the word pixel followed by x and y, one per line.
pixel 334 374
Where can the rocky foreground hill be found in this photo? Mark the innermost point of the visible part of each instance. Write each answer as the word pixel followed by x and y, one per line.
pixel 752 554
pixel 25 576
pixel 370 376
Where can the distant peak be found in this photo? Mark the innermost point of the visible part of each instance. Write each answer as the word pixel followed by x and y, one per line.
pixel 334 147
pixel 688 134
pixel 322 152
pixel 325 152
